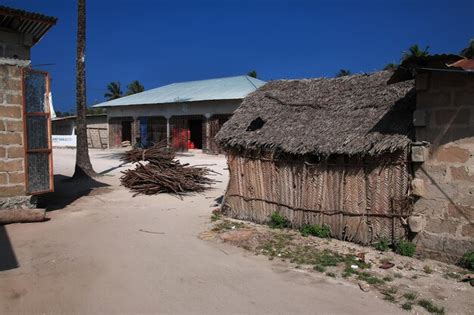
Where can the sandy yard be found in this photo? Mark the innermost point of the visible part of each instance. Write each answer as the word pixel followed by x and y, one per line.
pixel 104 251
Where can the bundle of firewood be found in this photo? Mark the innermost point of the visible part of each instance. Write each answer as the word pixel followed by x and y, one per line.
pixel 157 171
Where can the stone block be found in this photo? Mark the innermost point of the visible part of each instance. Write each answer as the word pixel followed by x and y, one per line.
pixel 10 112
pixel 462 173
pixel 416 223
pixel 10 191
pixel 452 117
pixel 464 98
pixel 430 100
pixel 14 125
pixel 422 81
pixel 3 127
pixel 419 118
pixel 16 178
pixel 3 152
pixel 3 179
pixel 441 226
pixel 433 242
pixel 11 138
pixel 14 99
pixel 445 81
pixel 14 71
pixel 460 211
pixel 13 84
pixel 418 187
pixel 452 154
pixel 15 152
pixel 11 165
pixel 430 207
pixel 419 153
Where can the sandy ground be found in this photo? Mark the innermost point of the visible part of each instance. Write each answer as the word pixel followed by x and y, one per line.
pixel 104 251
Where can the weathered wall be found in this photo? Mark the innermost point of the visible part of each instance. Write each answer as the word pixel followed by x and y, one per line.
pixel 12 176
pixel 445 119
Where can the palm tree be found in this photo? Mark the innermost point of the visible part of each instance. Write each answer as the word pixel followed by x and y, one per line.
pixel 343 72
pixel 390 66
pixel 135 87
pixel 468 52
pixel 252 74
pixel 415 51
pixel 114 91
pixel 83 167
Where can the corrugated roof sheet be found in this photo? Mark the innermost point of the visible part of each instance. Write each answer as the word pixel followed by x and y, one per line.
pixel 203 90
pixel 26 22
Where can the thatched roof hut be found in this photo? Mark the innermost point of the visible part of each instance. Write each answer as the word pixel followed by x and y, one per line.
pixel 323 151
pixel 358 114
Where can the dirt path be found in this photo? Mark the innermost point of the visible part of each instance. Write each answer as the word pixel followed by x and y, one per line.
pixel 110 253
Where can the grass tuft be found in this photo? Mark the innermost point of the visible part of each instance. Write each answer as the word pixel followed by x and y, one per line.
pixel 323 231
pixel 278 221
pixel 405 248
pixel 430 307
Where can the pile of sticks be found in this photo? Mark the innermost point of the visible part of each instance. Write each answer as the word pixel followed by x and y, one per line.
pixel 157 171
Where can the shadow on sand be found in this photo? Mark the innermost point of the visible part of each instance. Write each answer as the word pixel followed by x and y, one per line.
pixel 66 191
pixel 7 255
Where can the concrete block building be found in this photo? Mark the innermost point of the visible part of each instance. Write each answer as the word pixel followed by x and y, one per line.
pixel 444 124
pixel 186 114
pixel 25 129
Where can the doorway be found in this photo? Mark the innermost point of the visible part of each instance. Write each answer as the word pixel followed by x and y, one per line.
pixel 127 131
pixel 195 129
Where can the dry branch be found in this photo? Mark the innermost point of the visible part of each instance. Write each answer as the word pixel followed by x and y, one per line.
pixel 158 172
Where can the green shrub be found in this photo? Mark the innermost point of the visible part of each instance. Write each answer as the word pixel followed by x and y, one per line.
pixel 405 248
pixel 382 244
pixel 468 260
pixel 430 307
pixel 407 306
pixel 278 221
pixel 410 296
pixel 316 230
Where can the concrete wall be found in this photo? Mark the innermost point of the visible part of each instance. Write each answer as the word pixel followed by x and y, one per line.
pixel 97 135
pixel 445 119
pixel 15 45
pixel 12 175
pixel 175 109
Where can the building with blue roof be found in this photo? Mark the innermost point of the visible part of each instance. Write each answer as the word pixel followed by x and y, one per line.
pixel 186 114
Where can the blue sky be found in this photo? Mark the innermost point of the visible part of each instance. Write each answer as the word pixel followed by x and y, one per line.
pixel 160 42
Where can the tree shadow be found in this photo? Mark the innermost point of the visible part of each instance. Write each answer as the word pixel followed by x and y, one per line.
pixel 7 255
pixel 67 191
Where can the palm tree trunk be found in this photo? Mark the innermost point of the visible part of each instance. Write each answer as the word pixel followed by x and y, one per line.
pixel 83 163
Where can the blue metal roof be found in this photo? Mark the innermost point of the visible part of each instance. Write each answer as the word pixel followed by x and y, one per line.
pixel 203 90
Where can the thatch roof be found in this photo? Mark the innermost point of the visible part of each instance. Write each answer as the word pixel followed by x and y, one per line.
pixel 358 114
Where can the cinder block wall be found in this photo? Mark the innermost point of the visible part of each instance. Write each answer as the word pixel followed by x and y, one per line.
pixel 12 175
pixel 445 114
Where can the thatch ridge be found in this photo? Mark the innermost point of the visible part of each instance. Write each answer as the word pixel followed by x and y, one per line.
pixel 357 114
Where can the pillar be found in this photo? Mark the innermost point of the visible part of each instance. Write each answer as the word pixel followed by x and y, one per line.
pixel 168 131
pixel 135 130
pixel 207 123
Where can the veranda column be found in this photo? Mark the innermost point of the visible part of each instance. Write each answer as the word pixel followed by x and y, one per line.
pixel 207 122
pixel 168 131
pixel 135 130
